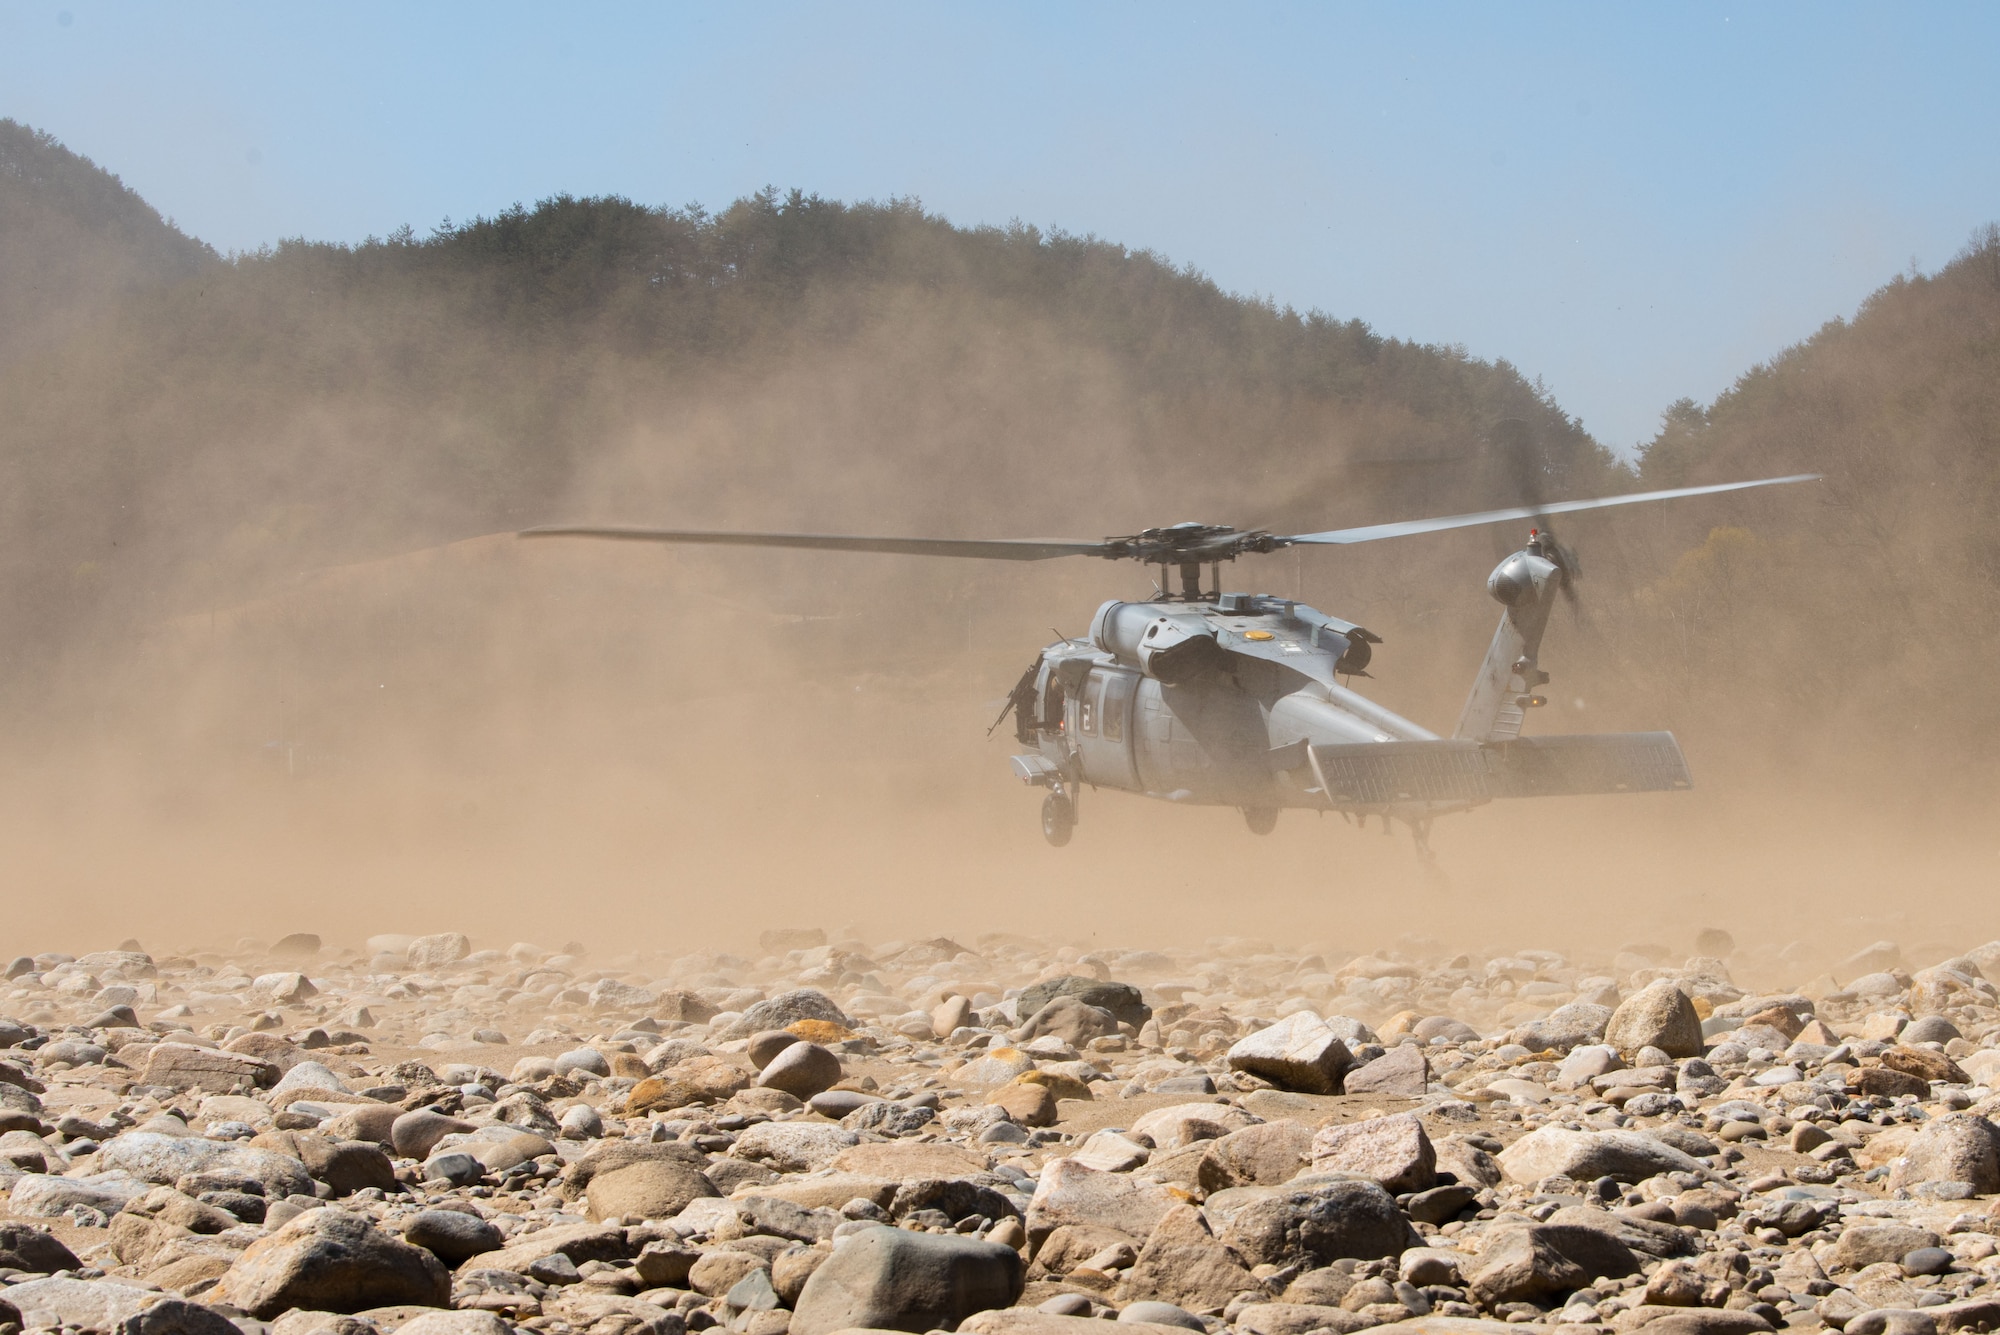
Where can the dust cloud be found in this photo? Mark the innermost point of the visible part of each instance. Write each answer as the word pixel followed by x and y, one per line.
pixel 321 687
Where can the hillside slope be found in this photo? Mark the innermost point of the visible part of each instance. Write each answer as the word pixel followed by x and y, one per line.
pixel 73 241
pixel 1873 624
pixel 786 362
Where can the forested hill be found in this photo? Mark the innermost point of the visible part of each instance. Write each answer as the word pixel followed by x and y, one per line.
pixel 787 360
pixel 1875 621
pixel 73 240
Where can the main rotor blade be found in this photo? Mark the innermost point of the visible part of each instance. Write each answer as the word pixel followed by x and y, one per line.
pixel 1373 532
pixel 988 549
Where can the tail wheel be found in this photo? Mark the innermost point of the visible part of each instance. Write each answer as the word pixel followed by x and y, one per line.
pixel 1058 819
pixel 1261 820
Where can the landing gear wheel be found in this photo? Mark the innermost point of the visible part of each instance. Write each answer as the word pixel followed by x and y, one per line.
pixel 1261 820
pixel 1058 819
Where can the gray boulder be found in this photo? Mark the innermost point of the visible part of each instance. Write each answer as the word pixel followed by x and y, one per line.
pixel 1530 1262
pixel 1563 1028
pixel 1073 1021
pixel 1300 1052
pixel 1659 1016
pixel 1183 1264
pixel 1122 999
pixel 893 1279
pixel 787 1009
pixel 1264 1155
pixel 41 1196
pixel 1872 1244
pixel 455 1323
pixel 452 1236
pixel 648 1185
pixel 1403 1072
pixel 1310 1222
pixel 332 1261
pixel 35 1250
pixel 1394 1151
pixel 177 1316
pixel 1956 1147
pixel 152 1156
pixel 801 1070
pixel 428 952
pixel 415 1133
pixel 1070 1193
pixel 186 1066
pixel 92 1304
pixel 1625 1156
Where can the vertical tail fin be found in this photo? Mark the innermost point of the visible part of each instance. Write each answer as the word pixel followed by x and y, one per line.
pixel 1526 584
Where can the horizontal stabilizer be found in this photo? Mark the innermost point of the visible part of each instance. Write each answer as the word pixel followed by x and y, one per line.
pixel 1604 762
pixel 1451 771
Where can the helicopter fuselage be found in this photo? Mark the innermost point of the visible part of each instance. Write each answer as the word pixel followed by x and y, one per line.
pixel 1210 702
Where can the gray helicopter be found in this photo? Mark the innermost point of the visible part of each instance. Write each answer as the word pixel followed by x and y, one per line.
pixel 1234 699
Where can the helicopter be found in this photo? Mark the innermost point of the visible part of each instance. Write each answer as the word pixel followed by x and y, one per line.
pixel 1201 697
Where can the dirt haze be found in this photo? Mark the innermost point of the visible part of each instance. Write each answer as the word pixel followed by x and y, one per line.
pixel 266 676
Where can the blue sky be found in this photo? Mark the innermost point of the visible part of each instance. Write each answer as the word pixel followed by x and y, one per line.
pixel 1633 202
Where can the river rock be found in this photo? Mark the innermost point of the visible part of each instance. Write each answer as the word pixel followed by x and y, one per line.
pixel 1660 1015
pixel 892 1279
pixel 1403 1072
pixel 1257 1156
pixel 1026 1105
pixel 793 1147
pixel 904 1160
pixel 441 948
pixel 453 1236
pixel 650 1189
pixel 416 1133
pixel 463 1323
pixel 950 1015
pixel 34 1250
pixel 1299 1052
pixel 801 1070
pixel 787 1009
pixel 1625 1156
pixel 1182 1263
pixel 1955 1147
pixel 1529 1262
pixel 334 1261
pixel 1564 1028
pixel 577 1243
pixel 1071 1193
pixel 1181 1124
pixel 1395 1151
pixel 1865 1244
pixel 41 1196
pixel 1289 1318
pixel 185 1066
pixel 1309 1223
pixel 91 1304
pixel 1073 1021
pixel 1123 1000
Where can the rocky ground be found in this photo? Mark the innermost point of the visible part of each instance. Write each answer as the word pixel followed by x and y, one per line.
pixel 1005 1138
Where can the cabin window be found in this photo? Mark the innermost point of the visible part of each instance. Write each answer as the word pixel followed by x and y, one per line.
pixel 1117 694
pixel 1093 706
